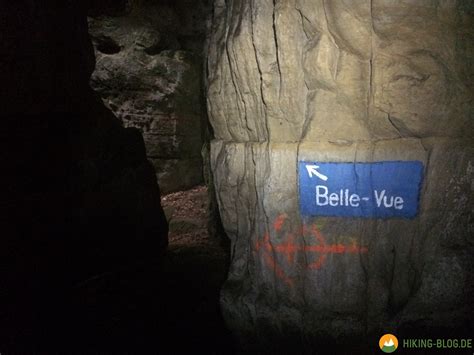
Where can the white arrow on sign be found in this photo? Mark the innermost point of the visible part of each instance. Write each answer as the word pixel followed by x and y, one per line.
pixel 313 169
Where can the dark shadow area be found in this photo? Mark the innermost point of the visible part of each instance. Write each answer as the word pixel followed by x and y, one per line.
pixel 107 45
pixel 83 261
pixel 83 265
pixel 169 308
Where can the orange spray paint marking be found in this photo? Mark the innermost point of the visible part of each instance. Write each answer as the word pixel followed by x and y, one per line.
pixel 289 248
pixel 269 259
pixel 278 224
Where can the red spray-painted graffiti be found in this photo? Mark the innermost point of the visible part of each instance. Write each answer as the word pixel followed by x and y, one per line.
pixel 289 247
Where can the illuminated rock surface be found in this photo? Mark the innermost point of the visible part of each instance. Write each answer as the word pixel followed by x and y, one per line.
pixel 342 81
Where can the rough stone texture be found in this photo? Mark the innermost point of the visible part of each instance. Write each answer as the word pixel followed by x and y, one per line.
pixel 80 197
pixel 342 81
pixel 149 60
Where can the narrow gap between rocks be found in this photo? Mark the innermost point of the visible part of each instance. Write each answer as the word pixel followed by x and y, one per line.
pixel 149 74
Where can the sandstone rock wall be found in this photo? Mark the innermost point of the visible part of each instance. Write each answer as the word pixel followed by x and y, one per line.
pixel 149 72
pixel 342 81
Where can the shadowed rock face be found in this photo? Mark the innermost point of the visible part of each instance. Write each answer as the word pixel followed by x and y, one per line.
pixel 342 81
pixel 149 72
pixel 80 197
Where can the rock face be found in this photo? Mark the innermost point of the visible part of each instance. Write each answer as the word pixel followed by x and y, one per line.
pixel 342 81
pixel 149 59
pixel 80 197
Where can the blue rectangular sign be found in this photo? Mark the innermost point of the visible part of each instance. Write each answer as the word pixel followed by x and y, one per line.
pixel 385 189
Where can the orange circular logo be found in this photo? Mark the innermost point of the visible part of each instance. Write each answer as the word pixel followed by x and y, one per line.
pixel 388 343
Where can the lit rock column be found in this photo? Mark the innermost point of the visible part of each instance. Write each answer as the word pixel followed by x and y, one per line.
pixel 342 82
